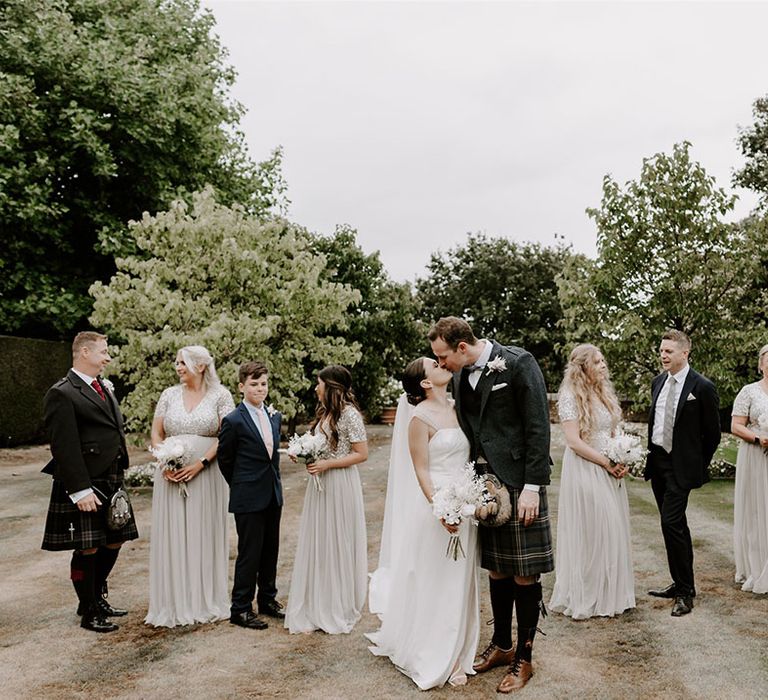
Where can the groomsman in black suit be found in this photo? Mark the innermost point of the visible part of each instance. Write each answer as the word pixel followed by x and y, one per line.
pixel 250 462
pixel 683 434
pixel 85 428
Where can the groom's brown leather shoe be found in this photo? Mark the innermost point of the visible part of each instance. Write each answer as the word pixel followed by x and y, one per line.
pixel 669 592
pixel 493 657
pixel 518 675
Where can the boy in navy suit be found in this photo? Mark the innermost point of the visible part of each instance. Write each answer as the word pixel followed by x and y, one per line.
pixel 249 460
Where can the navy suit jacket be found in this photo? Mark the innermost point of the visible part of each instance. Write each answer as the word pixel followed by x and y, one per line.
pixel 253 475
pixel 696 433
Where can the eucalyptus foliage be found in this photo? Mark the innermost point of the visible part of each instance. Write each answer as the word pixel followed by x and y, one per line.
pixel 211 275
pixel 667 259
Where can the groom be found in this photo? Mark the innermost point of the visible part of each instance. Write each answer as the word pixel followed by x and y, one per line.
pixel 501 402
pixel 683 434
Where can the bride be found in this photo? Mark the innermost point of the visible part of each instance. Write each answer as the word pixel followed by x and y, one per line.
pixel 427 602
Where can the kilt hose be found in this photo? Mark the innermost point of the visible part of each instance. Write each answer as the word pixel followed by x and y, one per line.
pixel 67 527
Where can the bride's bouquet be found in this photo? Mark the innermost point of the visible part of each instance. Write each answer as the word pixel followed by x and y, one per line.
pixel 458 500
pixel 624 448
pixel 308 448
pixel 170 456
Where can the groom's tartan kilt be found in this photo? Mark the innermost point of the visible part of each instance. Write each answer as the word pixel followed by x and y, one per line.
pixel 518 550
pixel 67 527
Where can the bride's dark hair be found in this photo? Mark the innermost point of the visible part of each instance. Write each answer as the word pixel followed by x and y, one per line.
pixel 412 377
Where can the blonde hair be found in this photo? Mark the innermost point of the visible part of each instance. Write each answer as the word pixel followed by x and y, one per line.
pixel 762 352
pixel 586 388
pixel 196 355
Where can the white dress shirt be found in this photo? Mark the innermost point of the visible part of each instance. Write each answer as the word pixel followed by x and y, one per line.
pixel 657 438
pixel 254 411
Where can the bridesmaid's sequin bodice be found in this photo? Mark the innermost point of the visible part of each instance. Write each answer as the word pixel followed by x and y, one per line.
pixel 202 420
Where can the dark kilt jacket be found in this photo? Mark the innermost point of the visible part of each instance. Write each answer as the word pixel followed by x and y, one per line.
pixel 88 448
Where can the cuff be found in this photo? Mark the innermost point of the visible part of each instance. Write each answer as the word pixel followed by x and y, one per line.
pixel 531 487
pixel 77 495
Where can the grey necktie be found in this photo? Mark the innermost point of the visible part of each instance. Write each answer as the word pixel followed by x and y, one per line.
pixel 669 415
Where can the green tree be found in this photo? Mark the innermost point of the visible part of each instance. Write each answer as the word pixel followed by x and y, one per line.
pixel 217 276
pixel 753 141
pixel 506 290
pixel 107 110
pixel 667 259
pixel 384 321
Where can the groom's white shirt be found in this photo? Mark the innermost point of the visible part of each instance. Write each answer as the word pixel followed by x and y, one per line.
pixel 474 378
pixel 482 361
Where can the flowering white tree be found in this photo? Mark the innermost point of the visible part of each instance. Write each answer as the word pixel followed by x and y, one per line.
pixel 215 276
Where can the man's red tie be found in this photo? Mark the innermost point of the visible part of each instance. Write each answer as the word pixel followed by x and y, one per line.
pixel 95 384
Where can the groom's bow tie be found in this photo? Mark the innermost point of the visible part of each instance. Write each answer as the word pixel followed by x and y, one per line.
pixel 472 368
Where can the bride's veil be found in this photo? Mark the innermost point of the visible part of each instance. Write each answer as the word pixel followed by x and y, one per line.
pixel 403 496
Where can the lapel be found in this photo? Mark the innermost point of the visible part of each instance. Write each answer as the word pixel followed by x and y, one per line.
pixel 690 380
pixel 488 378
pixel 90 395
pixel 457 391
pixel 252 426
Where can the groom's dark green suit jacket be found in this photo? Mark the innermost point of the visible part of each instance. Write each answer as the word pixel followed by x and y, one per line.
pixel 512 431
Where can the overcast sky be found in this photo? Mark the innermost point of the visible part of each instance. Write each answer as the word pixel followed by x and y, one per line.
pixel 418 122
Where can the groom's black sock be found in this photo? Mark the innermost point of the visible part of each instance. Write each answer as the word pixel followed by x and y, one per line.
pixel 527 601
pixel 502 602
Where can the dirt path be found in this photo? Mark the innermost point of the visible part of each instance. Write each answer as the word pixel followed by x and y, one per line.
pixel 719 651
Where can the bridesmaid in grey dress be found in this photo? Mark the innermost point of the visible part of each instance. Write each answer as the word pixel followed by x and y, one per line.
pixel 189 542
pixel 330 573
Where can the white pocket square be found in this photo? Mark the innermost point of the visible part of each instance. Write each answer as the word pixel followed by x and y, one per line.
pixel 496 387
pixel 691 397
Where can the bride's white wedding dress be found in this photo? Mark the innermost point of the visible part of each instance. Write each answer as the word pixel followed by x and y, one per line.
pixel 427 602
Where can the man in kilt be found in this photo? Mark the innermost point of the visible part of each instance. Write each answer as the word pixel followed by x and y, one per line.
pixel 501 402
pixel 85 428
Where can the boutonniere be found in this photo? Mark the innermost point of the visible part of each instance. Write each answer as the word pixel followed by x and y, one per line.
pixel 271 410
pixel 108 385
pixel 497 364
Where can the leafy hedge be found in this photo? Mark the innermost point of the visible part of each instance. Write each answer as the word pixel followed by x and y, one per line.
pixel 30 367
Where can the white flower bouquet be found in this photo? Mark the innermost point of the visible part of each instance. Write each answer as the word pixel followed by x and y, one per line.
pixel 170 457
pixel 457 500
pixel 308 448
pixel 625 448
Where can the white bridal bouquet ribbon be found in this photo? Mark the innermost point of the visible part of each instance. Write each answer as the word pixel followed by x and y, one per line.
pixel 457 500
pixel 308 448
pixel 170 456
pixel 624 448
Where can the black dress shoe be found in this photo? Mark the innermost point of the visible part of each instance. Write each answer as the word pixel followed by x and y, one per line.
pixel 683 605
pixel 272 609
pixel 96 623
pixel 249 620
pixel 669 592
pixel 104 608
